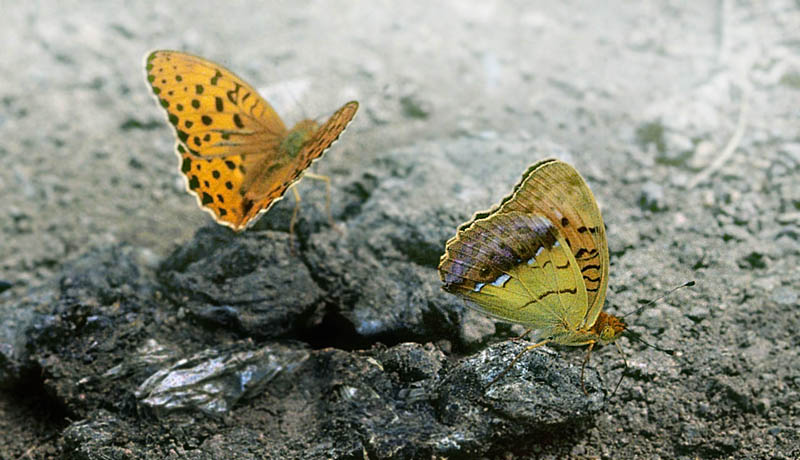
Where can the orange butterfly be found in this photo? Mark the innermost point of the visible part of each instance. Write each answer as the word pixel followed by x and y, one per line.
pixel 236 154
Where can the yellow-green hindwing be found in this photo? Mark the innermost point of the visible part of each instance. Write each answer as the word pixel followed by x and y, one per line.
pixel 556 190
pixel 535 282
pixel 539 258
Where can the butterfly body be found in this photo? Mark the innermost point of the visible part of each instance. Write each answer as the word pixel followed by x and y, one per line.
pixel 539 259
pixel 267 175
pixel 298 136
pixel 235 152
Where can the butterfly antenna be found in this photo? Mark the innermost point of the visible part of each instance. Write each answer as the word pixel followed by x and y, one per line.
pixel 296 101
pixel 686 284
pixel 303 111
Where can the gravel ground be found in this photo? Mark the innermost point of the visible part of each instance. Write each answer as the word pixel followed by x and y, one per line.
pixel 683 117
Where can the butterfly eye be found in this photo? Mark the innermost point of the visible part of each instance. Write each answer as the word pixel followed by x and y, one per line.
pixel 607 334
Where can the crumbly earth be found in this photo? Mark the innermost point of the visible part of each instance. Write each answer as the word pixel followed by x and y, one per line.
pixel 682 116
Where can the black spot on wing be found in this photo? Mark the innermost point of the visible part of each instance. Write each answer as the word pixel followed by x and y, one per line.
pixel 237 120
pixel 549 293
pixel 216 77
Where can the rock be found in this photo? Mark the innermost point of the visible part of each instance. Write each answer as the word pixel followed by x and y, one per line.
pixel 651 197
pixel 94 437
pixel 15 318
pixel 785 295
pixel 698 313
pixel 102 308
pixel 540 391
pixel 112 348
pixel 249 283
pixel 753 261
pixel 213 381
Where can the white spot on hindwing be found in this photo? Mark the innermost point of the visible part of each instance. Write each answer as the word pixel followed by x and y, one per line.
pixel 501 280
pixel 532 260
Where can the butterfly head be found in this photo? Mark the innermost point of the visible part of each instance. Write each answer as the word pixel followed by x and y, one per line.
pixel 608 328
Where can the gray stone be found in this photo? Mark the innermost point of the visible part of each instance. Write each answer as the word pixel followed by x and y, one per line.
pixel 651 198
pixel 213 381
pixel 251 282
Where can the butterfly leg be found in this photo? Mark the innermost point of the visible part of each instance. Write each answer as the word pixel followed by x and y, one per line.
pixel 625 361
pixel 293 220
pixel 583 367
pixel 327 196
pixel 522 336
pixel 513 361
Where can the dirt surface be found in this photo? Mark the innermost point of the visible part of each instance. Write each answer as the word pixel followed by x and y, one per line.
pixel 683 118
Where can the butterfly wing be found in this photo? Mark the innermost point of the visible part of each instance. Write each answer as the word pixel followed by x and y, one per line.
pixel 213 111
pixel 275 179
pixel 327 135
pixel 557 191
pixel 221 124
pixel 517 267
